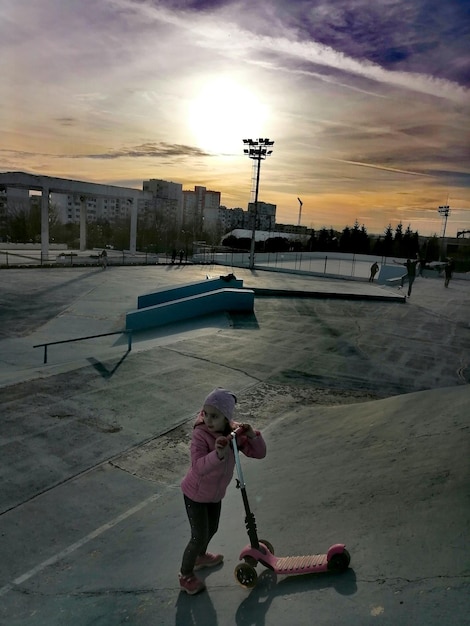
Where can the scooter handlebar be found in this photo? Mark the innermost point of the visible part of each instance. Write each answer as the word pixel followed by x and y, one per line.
pixel 239 430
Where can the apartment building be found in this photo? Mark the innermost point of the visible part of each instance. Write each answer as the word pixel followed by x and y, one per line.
pixel 265 216
pixel 158 204
pixel 164 201
pixel 100 208
pixel 200 208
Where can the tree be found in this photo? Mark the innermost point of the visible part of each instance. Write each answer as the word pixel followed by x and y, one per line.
pixel 410 243
pixel 323 240
pixel 17 227
pixel 365 241
pixel 56 228
pixel 431 252
pixel 355 238
pixel 398 240
pixel 345 240
pixel 387 244
pixel 334 240
pixel 277 244
pixel 231 241
pixel 359 239
pixel 121 233
pixel 312 242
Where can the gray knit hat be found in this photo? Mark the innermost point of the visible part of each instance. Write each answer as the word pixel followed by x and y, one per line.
pixel 222 399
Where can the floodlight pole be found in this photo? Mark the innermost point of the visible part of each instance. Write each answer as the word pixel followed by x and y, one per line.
pixel 257 151
pixel 443 210
pixel 300 211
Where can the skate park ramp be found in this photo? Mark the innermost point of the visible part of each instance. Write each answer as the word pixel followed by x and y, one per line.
pixel 364 406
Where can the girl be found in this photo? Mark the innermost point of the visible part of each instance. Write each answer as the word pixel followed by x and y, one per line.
pixel 204 486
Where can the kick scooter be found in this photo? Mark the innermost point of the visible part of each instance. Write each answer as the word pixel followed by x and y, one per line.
pixel 336 560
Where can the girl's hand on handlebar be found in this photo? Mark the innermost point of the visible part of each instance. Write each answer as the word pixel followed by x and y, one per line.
pixel 221 447
pixel 248 431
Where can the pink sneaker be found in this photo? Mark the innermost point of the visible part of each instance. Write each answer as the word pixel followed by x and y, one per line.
pixel 191 584
pixel 208 560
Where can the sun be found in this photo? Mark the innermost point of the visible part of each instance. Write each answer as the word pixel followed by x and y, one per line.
pixel 223 113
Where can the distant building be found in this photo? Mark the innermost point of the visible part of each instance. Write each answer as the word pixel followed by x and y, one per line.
pixel 294 229
pixel 98 208
pixel 158 197
pixel 166 202
pixel 200 208
pixel 265 216
pixel 458 247
pixel 158 204
pixel 262 235
pixel 232 218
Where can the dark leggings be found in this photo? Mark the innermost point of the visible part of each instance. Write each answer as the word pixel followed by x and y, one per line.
pixel 204 521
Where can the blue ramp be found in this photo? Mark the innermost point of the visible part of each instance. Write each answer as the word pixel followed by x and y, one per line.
pixel 166 294
pixel 227 299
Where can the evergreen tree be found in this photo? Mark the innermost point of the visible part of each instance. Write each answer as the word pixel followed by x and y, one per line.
pixel 398 241
pixel 359 239
pixel 333 240
pixel 355 237
pixel 312 242
pixel 345 243
pixel 365 241
pixel 410 244
pixel 387 249
pixel 323 240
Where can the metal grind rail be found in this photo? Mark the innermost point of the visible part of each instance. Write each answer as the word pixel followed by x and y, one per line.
pixel 53 343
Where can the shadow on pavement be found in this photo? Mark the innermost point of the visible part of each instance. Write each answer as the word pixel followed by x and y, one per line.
pixel 199 610
pixel 195 610
pixel 253 610
pixel 101 368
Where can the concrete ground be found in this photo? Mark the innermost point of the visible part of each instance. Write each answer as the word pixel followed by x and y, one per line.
pixel 363 399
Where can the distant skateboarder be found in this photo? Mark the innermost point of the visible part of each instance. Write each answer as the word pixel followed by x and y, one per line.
pixel 410 273
pixel 103 259
pixel 448 271
pixel 422 266
pixel 374 268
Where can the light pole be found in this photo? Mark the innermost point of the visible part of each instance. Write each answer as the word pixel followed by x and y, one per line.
pixel 443 210
pixel 258 150
pixel 300 210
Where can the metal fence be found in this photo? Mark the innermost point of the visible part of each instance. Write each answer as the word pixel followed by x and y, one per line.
pixel 71 258
pixel 318 263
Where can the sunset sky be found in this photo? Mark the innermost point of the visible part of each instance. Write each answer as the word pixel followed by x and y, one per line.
pixel 368 101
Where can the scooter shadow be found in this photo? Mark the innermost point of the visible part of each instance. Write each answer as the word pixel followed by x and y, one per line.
pixel 253 610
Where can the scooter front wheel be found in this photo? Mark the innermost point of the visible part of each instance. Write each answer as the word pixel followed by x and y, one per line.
pixel 268 545
pixel 339 562
pixel 246 575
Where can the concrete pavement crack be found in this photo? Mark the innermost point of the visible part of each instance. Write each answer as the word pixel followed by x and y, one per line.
pixel 401 579
pixel 206 360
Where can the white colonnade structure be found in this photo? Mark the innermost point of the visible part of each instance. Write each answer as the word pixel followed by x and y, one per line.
pixel 48 184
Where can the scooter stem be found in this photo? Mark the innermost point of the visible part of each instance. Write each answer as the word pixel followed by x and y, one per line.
pixel 250 521
pixel 236 453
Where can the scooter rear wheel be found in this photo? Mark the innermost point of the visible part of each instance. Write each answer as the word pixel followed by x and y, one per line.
pixel 246 575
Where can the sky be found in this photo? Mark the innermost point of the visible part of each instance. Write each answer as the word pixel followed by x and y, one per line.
pixel 367 102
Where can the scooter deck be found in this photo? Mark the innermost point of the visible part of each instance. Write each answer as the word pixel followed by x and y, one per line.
pixel 288 565
pixel 301 564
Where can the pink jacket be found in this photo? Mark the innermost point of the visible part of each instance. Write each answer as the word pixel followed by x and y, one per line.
pixel 208 477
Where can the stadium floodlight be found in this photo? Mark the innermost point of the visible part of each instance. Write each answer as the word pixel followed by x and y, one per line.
pixel 258 152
